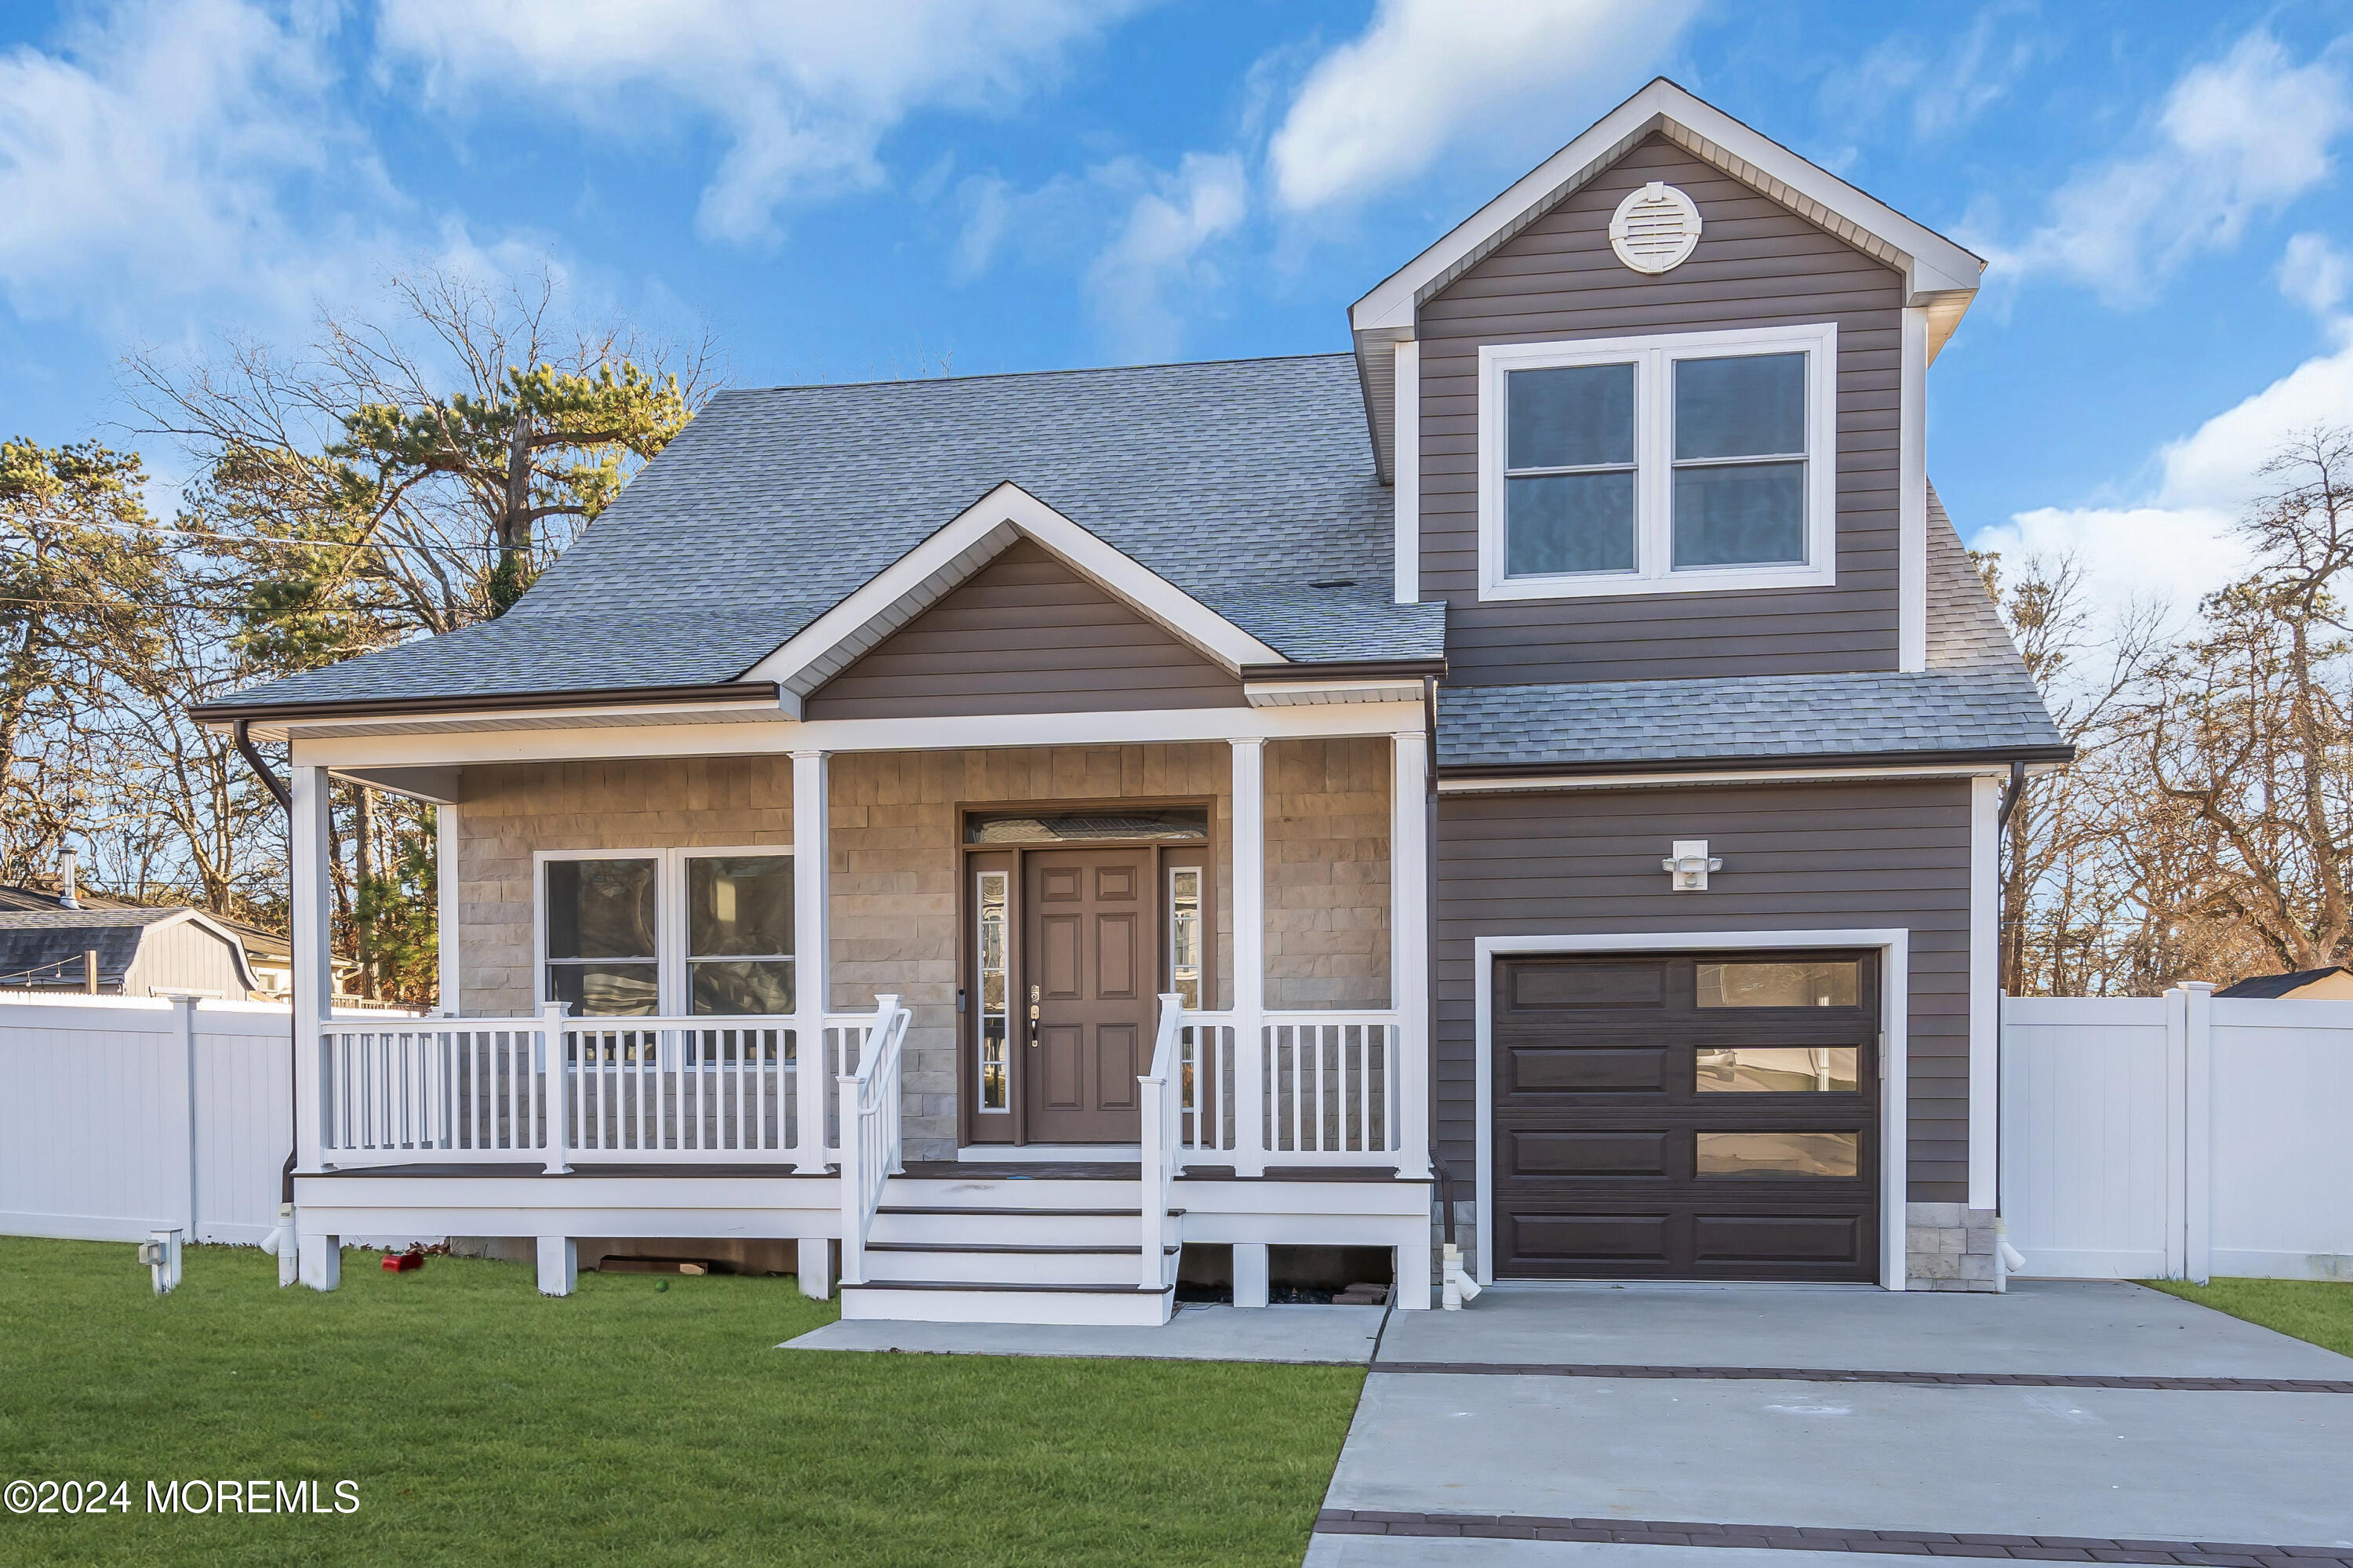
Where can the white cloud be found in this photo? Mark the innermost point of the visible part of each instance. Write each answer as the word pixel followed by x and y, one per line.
pixel 1144 237
pixel 2235 139
pixel 1941 89
pixel 805 91
pixel 2179 545
pixel 2314 274
pixel 1161 246
pixel 150 153
pixel 1428 73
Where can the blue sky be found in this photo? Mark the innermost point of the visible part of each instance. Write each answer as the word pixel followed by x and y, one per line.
pixel 842 192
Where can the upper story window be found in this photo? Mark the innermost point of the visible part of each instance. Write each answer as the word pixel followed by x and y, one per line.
pixel 1666 464
pixel 642 933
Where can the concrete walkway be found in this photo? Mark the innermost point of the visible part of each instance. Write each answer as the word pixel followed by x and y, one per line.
pixel 1341 1335
pixel 1625 1422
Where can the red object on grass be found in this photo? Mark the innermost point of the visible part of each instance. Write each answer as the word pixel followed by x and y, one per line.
pixel 401 1262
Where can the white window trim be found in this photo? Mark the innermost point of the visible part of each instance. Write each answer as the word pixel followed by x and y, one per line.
pixel 1653 431
pixel 671 978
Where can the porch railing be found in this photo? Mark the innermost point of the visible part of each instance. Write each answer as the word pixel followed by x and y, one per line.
pixel 1162 1100
pixel 1300 1088
pixel 869 1131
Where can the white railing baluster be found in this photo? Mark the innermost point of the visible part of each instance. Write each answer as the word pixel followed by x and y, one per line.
pixel 869 1130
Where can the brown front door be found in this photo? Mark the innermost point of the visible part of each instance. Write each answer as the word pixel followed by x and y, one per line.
pixel 1687 1117
pixel 1092 967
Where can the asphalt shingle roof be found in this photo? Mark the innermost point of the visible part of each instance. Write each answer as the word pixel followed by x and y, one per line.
pixel 1974 696
pixel 1240 482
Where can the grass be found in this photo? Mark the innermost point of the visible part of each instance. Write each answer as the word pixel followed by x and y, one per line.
pixel 2319 1310
pixel 623 1424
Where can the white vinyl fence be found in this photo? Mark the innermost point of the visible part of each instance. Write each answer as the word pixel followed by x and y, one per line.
pixel 2177 1137
pixel 120 1116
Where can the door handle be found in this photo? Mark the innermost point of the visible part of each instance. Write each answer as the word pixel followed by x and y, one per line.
pixel 1033 1018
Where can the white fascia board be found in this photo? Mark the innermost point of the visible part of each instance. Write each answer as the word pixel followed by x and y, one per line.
pixel 755 709
pixel 950 733
pixel 1933 266
pixel 963 546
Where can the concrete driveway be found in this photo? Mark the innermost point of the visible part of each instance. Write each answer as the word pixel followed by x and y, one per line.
pixel 1661 1426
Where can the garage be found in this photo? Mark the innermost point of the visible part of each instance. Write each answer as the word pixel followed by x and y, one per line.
pixel 1686 1115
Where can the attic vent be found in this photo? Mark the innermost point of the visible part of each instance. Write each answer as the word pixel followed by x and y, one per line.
pixel 1654 228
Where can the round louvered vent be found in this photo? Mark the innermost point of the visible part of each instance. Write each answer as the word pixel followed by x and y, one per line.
pixel 1654 228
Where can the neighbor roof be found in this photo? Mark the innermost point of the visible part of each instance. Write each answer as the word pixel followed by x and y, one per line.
pixel 2265 987
pixel 1242 481
pixel 1975 699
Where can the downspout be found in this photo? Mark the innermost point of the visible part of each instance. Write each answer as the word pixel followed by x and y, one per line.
pixel 1429 958
pixel 241 732
pixel 2007 1259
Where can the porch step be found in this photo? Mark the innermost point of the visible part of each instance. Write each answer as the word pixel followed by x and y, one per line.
pixel 953 1301
pixel 1002 1264
pixel 1009 1249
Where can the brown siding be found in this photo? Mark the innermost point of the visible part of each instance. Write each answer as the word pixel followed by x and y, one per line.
pixel 1025 635
pixel 1825 855
pixel 1757 264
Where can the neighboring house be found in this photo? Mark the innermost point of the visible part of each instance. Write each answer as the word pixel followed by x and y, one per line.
pixel 2331 984
pixel 111 948
pixel 1016 701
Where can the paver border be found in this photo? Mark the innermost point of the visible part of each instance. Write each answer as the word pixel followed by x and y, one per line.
pixel 1908 1379
pixel 1797 1538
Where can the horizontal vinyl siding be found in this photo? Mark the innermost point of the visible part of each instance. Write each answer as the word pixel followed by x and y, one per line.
pixel 1025 635
pixel 1757 264
pixel 1587 863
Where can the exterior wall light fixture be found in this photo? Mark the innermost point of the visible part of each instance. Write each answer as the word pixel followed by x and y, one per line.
pixel 1689 865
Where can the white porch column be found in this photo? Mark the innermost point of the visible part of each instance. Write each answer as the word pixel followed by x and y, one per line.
pixel 1409 894
pixel 1249 955
pixel 812 950
pixel 445 882
pixel 311 920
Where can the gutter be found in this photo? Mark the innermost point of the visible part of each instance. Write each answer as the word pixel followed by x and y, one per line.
pixel 599 697
pixel 1349 669
pixel 241 731
pixel 2017 757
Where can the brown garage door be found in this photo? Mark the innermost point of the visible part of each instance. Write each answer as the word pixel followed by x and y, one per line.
pixel 1687 1117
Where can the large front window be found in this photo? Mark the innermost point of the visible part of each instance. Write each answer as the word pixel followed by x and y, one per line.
pixel 1697 461
pixel 668 932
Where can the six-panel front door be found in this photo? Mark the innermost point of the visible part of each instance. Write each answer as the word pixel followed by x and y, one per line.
pixel 1088 992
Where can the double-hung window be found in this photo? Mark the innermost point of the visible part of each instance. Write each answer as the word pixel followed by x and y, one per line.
pixel 646 933
pixel 1675 463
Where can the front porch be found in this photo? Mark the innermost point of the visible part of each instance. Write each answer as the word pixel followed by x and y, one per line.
pixel 1259 1080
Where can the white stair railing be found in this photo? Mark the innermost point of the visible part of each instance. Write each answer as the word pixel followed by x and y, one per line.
pixel 869 1131
pixel 1163 1101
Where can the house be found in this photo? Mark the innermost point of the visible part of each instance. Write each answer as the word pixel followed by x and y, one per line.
pixel 2333 983
pixel 1039 833
pixel 70 941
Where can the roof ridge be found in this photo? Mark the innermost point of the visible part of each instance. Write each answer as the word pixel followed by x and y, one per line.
pixel 1033 374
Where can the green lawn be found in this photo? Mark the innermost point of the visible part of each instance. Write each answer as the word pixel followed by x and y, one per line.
pixel 625 1424
pixel 2317 1310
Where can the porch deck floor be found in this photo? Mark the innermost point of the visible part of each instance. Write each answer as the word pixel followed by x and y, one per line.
pixel 539 1168
pixel 1306 1335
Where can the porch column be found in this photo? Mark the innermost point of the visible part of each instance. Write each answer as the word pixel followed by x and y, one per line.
pixel 311 920
pixel 447 994
pixel 1250 956
pixel 812 949
pixel 1409 894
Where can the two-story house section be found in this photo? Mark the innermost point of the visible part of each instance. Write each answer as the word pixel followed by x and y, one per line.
pixel 1002 842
